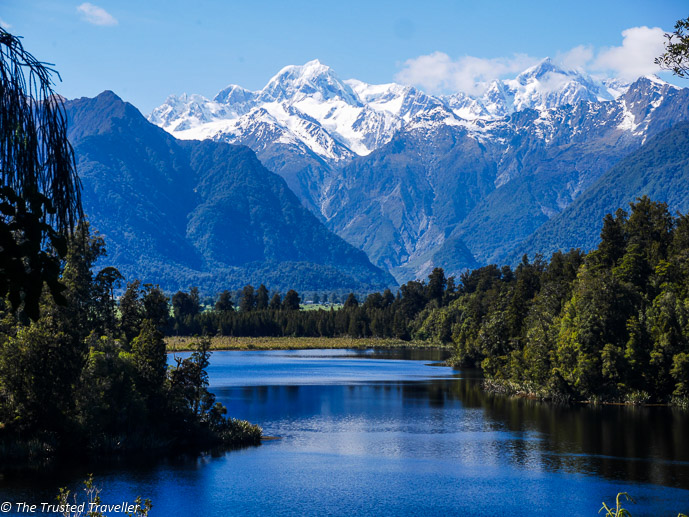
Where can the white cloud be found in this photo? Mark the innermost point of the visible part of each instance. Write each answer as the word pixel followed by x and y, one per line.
pixel 577 58
pixel 4 24
pixel 640 46
pixel 437 72
pixel 95 15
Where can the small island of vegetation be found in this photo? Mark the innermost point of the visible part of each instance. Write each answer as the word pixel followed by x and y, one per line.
pixel 83 377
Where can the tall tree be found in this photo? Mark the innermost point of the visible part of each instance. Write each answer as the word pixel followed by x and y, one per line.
pixel 248 300
pixel 436 285
pixel 262 298
pixel 275 302
pixel 186 304
pixel 224 302
pixel 291 301
pixel 39 189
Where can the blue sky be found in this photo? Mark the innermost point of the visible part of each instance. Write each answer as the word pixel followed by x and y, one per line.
pixel 146 49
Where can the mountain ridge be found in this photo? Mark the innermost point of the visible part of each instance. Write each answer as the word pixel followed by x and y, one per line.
pixel 181 213
pixel 376 168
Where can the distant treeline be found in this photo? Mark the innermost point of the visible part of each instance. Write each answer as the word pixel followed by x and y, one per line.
pixel 612 324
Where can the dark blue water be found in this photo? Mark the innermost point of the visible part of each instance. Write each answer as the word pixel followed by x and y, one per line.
pixel 370 433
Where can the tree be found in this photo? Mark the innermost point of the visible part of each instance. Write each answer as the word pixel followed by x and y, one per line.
pixel 155 307
pixel 131 311
pixel 248 300
pixel 388 298
pixel 275 302
pixel 262 298
pixel 150 361
pixel 224 303
pixel 184 304
pixel 351 302
pixel 40 201
pixel 676 55
pixel 613 239
pixel 291 301
pixel 436 285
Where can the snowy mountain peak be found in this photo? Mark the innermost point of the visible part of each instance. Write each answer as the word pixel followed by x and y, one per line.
pixel 313 79
pixel 539 70
pixel 233 94
pixel 311 106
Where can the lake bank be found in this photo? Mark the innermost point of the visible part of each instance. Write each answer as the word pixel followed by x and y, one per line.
pixel 183 343
pixel 357 426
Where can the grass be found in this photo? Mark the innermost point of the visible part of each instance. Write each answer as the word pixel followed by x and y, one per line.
pixel 180 344
pixel 618 511
pixel 320 306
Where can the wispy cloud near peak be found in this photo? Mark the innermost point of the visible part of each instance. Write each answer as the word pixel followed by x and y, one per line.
pixel 439 73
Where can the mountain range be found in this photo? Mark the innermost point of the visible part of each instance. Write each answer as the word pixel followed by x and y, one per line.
pixel 417 181
pixel 200 213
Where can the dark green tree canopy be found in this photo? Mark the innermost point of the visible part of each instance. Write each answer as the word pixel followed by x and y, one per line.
pixel 275 302
pixel 291 301
pixel 248 300
pixel 224 302
pixel 262 298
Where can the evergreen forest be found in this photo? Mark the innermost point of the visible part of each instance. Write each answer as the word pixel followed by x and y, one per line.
pixel 611 324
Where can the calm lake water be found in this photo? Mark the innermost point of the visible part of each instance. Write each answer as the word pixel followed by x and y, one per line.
pixel 389 433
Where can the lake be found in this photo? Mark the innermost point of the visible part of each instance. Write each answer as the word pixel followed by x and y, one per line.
pixel 391 433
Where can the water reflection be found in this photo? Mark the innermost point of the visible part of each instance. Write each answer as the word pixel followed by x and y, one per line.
pixel 621 442
pixel 646 445
pixel 384 433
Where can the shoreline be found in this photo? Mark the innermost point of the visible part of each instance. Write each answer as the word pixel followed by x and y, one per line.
pixel 531 392
pixel 228 343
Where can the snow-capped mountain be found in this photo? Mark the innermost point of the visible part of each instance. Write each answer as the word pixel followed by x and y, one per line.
pixel 360 117
pixel 309 103
pixel 413 179
pixel 541 87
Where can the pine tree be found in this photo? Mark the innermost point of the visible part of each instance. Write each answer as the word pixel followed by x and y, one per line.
pixel 291 301
pixel 224 302
pixel 262 298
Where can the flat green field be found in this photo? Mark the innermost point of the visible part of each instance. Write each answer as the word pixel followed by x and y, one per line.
pixel 179 344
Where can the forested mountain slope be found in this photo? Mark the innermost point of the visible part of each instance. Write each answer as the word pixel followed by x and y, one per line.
pixel 209 214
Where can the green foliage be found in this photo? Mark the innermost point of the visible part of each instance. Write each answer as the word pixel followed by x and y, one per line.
pixel 40 200
pixel 248 299
pixel 186 304
pixel 224 302
pixel 262 298
pixel 617 511
pixel 93 502
pixel 291 301
pixel 676 55
pixel 82 378
pixel 195 407
pixel 613 325
pixel 150 362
